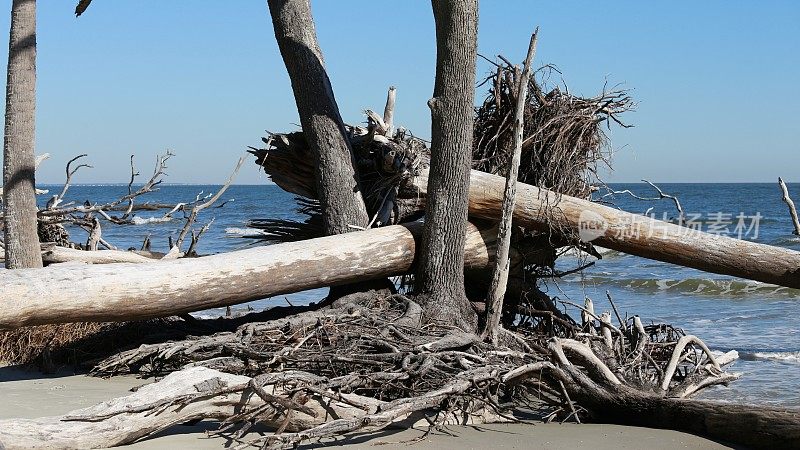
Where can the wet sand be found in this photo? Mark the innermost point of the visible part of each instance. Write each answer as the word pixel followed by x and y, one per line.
pixel 27 394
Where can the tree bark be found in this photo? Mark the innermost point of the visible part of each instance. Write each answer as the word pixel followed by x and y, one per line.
pixel 750 425
pixel 19 190
pixel 129 291
pixel 343 207
pixel 440 274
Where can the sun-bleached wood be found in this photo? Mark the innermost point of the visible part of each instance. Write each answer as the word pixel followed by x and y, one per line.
pixel 497 287
pixel 131 418
pixel 632 233
pixel 792 210
pixel 127 291
pixel 625 232
pixel 58 255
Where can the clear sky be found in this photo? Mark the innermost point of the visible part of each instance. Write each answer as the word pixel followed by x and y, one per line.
pixel 717 82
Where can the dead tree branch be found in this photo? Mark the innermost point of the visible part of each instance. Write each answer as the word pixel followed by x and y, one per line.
pixel 497 288
pixel 790 204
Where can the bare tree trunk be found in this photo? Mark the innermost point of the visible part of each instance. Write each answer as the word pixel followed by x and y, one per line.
pixel 497 288
pixel 440 274
pixel 339 194
pixel 19 191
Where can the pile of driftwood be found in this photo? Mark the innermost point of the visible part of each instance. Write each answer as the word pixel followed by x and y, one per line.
pixel 367 360
pixel 60 223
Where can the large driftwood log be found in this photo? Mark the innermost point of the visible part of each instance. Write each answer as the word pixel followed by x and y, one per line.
pixel 618 230
pixel 632 233
pixel 121 292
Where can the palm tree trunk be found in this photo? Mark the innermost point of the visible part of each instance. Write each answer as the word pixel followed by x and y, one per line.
pixel 19 192
pixel 440 273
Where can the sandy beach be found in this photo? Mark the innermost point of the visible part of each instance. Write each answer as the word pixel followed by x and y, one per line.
pixel 29 394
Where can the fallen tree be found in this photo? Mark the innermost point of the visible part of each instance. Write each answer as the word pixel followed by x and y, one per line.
pixel 542 209
pixel 122 292
pixel 129 291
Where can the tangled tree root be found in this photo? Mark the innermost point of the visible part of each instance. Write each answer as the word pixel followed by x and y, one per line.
pixel 367 358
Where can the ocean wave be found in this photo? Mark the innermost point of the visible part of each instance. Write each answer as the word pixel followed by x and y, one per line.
pixel 786 240
pixel 697 286
pixel 243 231
pixel 784 357
pixel 145 220
pixel 604 252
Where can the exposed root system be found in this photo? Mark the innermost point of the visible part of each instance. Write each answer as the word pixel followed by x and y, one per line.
pixel 374 347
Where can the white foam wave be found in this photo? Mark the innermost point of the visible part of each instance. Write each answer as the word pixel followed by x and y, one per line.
pixel 790 357
pixel 243 231
pixel 144 220
pixel 604 252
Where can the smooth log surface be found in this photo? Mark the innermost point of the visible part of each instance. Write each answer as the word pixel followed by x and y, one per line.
pixel 632 233
pixel 58 255
pixel 129 291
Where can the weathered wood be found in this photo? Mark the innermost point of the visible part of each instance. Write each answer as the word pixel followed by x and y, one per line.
pixel 57 255
pixel 788 200
pixel 622 231
pixel 388 111
pixel 497 288
pixel 632 233
pixel 131 418
pixel 749 425
pixel 122 292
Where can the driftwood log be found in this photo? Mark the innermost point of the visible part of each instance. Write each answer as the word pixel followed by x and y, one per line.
pixel 128 291
pixel 124 292
pixel 541 209
pixel 635 234
pixel 57 255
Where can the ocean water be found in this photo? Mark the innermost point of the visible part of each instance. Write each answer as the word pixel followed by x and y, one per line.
pixel 759 321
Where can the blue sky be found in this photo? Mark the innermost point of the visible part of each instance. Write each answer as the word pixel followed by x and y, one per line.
pixel 717 82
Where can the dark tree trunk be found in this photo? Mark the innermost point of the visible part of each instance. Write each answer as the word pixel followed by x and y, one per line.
pixel 19 191
pixel 440 273
pixel 337 184
pixel 750 425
